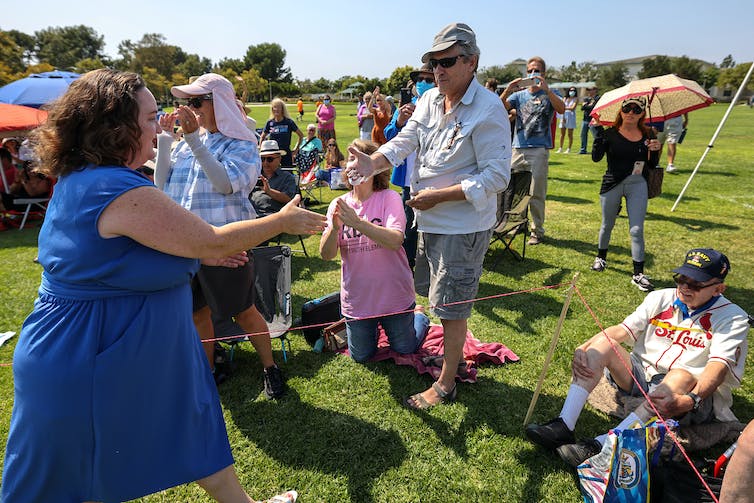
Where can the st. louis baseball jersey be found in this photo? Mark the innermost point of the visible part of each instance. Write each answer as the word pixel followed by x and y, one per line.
pixel 664 340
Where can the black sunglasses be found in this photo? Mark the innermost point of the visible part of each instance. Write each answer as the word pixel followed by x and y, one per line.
pixel 692 285
pixel 196 101
pixel 428 80
pixel 331 145
pixel 444 62
pixel 270 159
pixel 632 108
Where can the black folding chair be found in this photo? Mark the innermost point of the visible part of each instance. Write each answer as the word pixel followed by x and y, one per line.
pixel 272 281
pixel 513 214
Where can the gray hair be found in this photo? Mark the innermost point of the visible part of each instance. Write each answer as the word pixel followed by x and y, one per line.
pixel 469 49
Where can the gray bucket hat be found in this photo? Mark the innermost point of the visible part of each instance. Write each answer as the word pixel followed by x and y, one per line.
pixel 454 32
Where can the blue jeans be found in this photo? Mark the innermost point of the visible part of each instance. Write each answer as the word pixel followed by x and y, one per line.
pixel 405 332
pixel 585 128
pixel 323 175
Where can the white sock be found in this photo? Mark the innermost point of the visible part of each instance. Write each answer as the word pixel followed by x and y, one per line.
pixel 574 404
pixel 629 422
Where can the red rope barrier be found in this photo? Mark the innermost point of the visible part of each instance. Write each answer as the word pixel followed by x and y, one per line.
pixel 497 296
pixel 321 325
pixel 646 395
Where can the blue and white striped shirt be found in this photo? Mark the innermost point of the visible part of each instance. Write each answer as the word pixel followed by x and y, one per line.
pixel 188 185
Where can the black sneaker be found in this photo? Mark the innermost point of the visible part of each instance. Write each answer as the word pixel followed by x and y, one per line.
pixel 219 376
pixel 576 453
pixel 550 435
pixel 273 382
pixel 642 282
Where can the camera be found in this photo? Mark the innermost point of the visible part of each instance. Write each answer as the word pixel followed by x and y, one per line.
pixel 528 82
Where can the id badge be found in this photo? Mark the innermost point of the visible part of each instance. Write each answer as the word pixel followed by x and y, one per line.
pixel 638 168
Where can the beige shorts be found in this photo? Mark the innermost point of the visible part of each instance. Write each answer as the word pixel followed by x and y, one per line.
pixel 448 268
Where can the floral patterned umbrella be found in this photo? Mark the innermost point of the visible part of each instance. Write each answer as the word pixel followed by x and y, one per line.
pixel 668 96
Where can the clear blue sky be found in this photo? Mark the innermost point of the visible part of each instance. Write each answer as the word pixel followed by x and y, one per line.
pixel 335 38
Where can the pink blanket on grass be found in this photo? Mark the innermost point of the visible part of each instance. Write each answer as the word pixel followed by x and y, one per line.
pixel 428 358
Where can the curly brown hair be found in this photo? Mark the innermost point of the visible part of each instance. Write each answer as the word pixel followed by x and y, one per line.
pixel 96 122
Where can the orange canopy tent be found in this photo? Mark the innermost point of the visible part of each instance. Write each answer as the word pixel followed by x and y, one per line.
pixel 17 120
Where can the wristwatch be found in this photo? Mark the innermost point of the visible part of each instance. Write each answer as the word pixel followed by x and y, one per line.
pixel 697 400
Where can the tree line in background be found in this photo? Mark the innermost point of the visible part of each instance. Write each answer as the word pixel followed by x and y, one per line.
pixel 261 72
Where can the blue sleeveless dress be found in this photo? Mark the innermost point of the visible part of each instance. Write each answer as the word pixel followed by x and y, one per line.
pixel 114 398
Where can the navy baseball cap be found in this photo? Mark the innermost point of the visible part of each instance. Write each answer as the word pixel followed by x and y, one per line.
pixel 703 264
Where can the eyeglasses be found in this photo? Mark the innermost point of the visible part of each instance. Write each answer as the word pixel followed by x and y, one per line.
pixel 196 101
pixel 444 62
pixel 331 145
pixel 428 80
pixel 692 285
pixel 632 108
pixel 270 159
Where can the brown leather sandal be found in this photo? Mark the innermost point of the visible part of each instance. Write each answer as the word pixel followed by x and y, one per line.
pixel 418 402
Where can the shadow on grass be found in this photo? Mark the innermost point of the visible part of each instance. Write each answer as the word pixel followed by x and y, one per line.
pixel 530 307
pixel 507 264
pixel 303 436
pixel 14 238
pixel 569 180
pixel 568 199
pixel 691 224
pixel 502 408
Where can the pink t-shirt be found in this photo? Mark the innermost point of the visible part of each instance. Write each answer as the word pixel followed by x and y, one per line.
pixel 374 280
pixel 325 113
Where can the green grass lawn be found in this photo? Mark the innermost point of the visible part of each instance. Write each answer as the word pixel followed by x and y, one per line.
pixel 341 434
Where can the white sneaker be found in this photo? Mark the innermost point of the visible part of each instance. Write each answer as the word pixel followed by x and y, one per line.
pixel 670 168
pixel 558 151
pixel 568 151
pixel 642 282
pixel 599 264
pixel 286 497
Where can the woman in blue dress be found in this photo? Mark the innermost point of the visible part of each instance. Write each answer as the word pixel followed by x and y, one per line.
pixel 113 395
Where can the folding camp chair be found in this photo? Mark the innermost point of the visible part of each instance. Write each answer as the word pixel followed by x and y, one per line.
pixel 513 214
pixel 12 216
pixel 272 281
pixel 307 164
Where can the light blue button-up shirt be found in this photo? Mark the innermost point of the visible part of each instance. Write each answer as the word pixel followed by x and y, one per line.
pixel 469 145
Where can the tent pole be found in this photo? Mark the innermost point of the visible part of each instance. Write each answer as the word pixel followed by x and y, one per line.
pixel 714 136
pixel 553 344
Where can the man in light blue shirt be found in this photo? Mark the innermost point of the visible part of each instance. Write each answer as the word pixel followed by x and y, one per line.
pixel 461 134
pixel 535 106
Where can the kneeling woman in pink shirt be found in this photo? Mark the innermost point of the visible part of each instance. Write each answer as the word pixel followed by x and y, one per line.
pixel 377 286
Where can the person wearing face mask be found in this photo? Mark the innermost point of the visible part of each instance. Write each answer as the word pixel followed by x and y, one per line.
pixel 326 120
pixel 422 80
pixel 568 120
pixel 535 107
pixel 689 346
